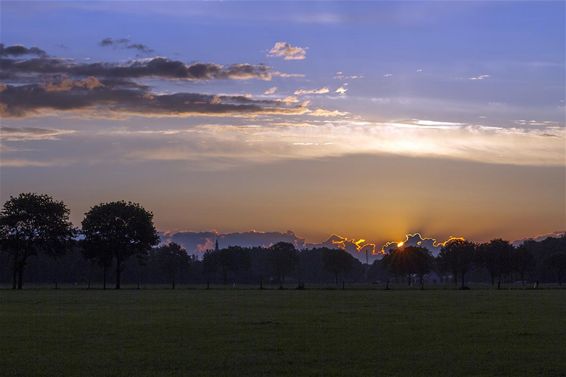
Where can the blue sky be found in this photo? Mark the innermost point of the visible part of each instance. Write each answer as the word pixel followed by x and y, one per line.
pixel 374 87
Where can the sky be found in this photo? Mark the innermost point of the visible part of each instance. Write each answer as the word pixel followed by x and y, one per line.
pixel 365 120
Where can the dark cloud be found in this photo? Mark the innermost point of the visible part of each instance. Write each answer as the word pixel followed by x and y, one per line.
pixel 156 67
pixel 124 43
pixel 43 83
pixel 108 99
pixel 195 242
pixel 19 50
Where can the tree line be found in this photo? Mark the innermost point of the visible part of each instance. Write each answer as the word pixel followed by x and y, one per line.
pixel 118 240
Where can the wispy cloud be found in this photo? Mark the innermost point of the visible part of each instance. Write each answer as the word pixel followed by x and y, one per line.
pixel 125 43
pixel 31 133
pixel 301 92
pixel 266 141
pixel 270 91
pixel 341 76
pixel 479 77
pixel 287 51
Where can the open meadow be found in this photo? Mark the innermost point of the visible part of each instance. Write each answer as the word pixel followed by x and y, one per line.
pixel 73 332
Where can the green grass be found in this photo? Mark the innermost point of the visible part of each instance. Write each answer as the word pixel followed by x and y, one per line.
pixel 282 333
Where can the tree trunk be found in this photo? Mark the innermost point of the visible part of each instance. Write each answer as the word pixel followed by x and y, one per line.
pixel 336 277
pixel 343 285
pixel 104 268
pixel 455 279
pixel 261 282
pixel 15 273
pixel 499 282
pixel 421 278
pixel 463 280
pixel 118 272
pixel 173 283
pixel 21 276
pixel 208 284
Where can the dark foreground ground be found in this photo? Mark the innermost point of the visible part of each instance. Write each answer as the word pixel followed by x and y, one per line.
pixel 282 333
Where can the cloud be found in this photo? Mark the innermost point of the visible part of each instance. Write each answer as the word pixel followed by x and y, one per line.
pixel 155 67
pixel 415 239
pixel 199 242
pixel 45 85
pixel 65 84
pixel 353 246
pixel 124 43
pixel 30 133
pixel 326 113
pixel 270 91
pixel 341 76
pixel 266 141
pixel 19 50
pixel 479 77
pixel 287 51
pixel 24 163
pixel 341 90
pixel 387 75
pixel 104 100
pixel 301 92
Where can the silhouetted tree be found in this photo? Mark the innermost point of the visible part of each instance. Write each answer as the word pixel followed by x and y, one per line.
pixel 209 265
pixel 496 257
pixel 100 253
pixel 284 258
pixel 523 261
pixel 409 260
pixel 457 256
pixel 336 261
pixel 31 223
pixel 233 259
pixel 118 230
pixel 420 260
pixel 172 259
pixel 557 263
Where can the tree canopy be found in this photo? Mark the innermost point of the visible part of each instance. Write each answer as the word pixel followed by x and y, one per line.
pixel 32 223
pixel 118 230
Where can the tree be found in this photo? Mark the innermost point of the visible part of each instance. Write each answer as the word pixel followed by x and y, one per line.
pixel 420 260
pixel 523 261
pixel 457 256
pixel 409 260
pixel 495 256
pixel 284 258
pixel 337 262
pixel 118 230
pixel 31 223
pixel 231 259
pixel 172 259
pixel 557 263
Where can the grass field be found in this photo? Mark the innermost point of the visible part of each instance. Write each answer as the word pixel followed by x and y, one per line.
pixel 282 333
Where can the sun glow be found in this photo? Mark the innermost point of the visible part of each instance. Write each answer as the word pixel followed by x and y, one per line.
pixel 400 244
